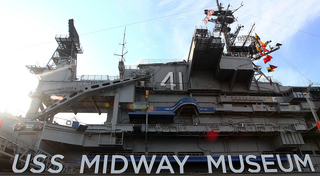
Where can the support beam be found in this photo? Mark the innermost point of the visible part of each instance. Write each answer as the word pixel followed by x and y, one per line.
pixel 34 106
pixel 114 120
pixel 233 79
pixel 256 81
pixel 95 106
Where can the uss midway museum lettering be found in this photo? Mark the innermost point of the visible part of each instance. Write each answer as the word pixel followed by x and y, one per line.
pixel 267 161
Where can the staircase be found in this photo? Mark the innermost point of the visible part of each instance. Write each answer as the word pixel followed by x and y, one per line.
pixel 11 146
pixel 86 91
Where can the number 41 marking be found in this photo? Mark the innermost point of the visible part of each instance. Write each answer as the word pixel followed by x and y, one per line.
pixel 169 77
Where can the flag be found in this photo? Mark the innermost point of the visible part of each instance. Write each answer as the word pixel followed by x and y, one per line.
pixel 209 13
pixel 257 37
pixel 262 53
pixel 271 67
pixel 262 44
pixel 270 82
pixel 267 58
pixel 264 49
pixel 258 49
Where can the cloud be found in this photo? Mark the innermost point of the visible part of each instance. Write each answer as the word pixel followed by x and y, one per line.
pixel 279 19
pixel 152 33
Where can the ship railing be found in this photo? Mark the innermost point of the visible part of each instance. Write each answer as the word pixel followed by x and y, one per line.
pixel 240 54
pixel 139 154
pixel 62 36
pixel 97 78
pixel 201 27
pixel 66 38
pixel 131 67
pixel 136 154
pixel 274 81
pixel 160 61
pixel 202 31
pixel 158 87
pixel 191 153
pixel 281 153
pixel 66 121
pixel 12 137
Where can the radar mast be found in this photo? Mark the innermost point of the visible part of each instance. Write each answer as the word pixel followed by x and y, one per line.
pixel 251 44
pixel 121 65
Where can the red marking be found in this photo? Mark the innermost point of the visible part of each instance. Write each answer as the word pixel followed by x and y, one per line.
pixel 212 135
pixel 318 125
pixel 1 121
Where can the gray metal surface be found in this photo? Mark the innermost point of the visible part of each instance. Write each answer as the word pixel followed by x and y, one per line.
pixel 212 91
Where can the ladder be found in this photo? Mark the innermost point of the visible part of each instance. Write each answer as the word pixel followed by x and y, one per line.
pixel 79 95
pixel 12 145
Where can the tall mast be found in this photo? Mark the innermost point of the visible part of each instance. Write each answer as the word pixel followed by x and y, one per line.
pixel 123 46
pixel 121 65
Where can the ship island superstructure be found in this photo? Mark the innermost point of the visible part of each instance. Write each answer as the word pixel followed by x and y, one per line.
pixel 213 104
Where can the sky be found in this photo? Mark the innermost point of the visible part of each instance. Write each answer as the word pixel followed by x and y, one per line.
pixel 154 30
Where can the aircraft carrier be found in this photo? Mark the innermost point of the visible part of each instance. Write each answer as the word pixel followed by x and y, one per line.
pixel 214 113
